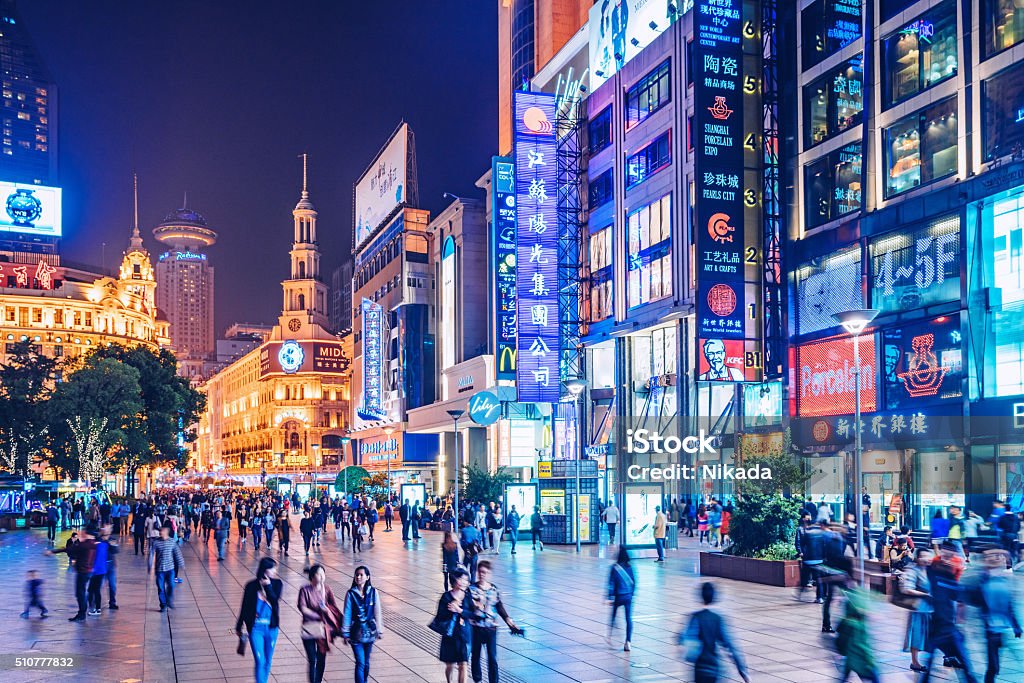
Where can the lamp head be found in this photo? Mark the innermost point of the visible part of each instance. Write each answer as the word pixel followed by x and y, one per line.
pixel 388 430
pixel 575 387
pixel 855 321
pixel 456 414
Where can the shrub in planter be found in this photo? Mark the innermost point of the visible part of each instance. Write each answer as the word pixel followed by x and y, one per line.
pixel 761 521
pixel 778 552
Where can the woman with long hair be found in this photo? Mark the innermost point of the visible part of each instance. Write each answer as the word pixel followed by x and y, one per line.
pixel 454 610
pixel 449 558
pixel 621 588
pixel 260 616
pixel 362 621
pixel 320 620
pixel 242 517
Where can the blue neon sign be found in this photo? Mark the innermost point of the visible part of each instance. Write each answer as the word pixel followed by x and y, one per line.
pixel 373 361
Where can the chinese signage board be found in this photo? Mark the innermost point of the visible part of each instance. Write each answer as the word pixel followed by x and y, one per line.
pixel 290 357
pixel 503 188
pixel 30 209
pixel 902 427
pixel 24 276
pixel 916 269
pixel 536 200
pixel 922 363
pixel 722 256
pixel 829 285
pixel 825 380
pixel 373 361
pixel 383 187
pixel 620 29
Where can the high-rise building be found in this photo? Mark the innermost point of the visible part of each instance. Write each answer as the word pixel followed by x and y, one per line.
pixel 341 298
pixel 28 146
pixel 530 32
pixel 185 283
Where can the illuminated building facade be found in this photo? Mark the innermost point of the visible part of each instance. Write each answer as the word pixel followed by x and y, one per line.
pixel 906 161
pixel 185 281
pixel 283 408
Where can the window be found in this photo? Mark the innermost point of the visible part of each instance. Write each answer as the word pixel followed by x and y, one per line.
pixel 652 92
pixel 600 190
pixel 921 148
pixel 833 103
pixel 649 160
pixel 600 279
pixel 828 26
pixel 650 258
pixel 920 54
pixel 832 185
pixel 1002 248
pixel 1002 25
pixel 600 131
pixel 1003 111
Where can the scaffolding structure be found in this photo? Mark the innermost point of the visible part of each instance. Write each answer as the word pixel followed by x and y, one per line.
pixel 772 286
pixel 570 234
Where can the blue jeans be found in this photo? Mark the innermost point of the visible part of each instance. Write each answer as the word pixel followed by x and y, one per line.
pixel 660 543
pixel 628 607
pixel 361 651
pixel 165 588
pixel 262 640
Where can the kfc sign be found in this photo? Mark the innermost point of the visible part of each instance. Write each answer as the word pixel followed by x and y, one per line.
pixel 825 378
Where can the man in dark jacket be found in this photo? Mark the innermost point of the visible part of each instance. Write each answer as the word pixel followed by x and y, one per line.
pixel 403 516
pixel 707 628
pixel 52 516
pixel 306 527
pixel 946 591
pixel 84 554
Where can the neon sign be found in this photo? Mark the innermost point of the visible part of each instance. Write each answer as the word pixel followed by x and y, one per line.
pixel 922 362
pixel 917 269
pixel 373 361
pixel 925 374
pixel 504 240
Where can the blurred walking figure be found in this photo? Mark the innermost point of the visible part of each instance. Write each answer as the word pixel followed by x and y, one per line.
pixel 611 520
pixel 320 620
pixel 994 595
pixel 707 631
pixel 261 617
pixel 536 525
pixel 452 622
pixel 33 594
pixel 449 558
pixel 944 578
pixel 621 588
pixel 362 621
pixel 853 642
pixel 914 583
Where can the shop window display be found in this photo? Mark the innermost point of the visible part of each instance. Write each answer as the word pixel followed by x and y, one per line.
pixel 650 259
pixel 832 185
pixel 600 280
pixel 1003 111
pixel 921 148
pixel 653 355
pixel 1002 25
pixel 1003 253
pixel 828 26
pixel 833 103
pixel 921 54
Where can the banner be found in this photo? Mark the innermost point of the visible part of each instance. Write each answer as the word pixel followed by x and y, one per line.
pixel 373 361
pixel 503 188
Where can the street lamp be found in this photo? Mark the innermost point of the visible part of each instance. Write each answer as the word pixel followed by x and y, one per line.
pixel 388 431
pixel 345 441
pixel 455 415
pixel 316 463
pixel 575 388
pixel 854 322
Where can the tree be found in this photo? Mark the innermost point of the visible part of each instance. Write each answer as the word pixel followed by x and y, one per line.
pixel 90 445
pixel 374 485
pixel 26 383
pixel 484 486
pixel 351 479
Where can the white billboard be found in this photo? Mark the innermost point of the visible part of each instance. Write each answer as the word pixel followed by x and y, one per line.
pixel 383 187
pixel 30 209
pixel 620 29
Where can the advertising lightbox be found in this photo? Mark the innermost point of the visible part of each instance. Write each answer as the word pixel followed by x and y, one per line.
pixel 414 493
pixel 372 407
pixel 825 379
pixel 638 511
pixel 30 209
pixel 619 30
pixel 291 357
pixel 762 404
pixel 524 498
pixel 383 187
pixel 828 285
pixel 922 363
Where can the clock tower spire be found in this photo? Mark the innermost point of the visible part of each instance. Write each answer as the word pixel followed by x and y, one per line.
pixel 305 294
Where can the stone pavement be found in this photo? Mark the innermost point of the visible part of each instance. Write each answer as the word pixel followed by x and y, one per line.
pixel 557 596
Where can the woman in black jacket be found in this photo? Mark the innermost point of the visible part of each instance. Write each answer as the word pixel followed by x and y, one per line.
pixel 260 616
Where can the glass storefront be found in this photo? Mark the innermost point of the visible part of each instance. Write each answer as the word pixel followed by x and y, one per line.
pixel 651 358
pixel 827 483
pixel 833 185
pixel 1003 112
pixel 1002 25
pixel 921 54
pixel 882 476
pixel 833 103
pixel 827 26
pixel 921 148
pixel 939 477
pixel 649 230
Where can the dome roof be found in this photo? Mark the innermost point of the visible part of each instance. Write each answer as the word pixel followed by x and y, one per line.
pixel 185 217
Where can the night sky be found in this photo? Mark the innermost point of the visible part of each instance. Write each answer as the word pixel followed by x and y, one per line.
pixel 218 98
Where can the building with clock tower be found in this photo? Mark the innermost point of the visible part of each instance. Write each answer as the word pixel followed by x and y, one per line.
pixel 281 410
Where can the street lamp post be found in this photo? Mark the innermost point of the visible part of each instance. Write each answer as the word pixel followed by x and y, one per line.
pixel 455 415
pixel 345 441
pixel 854 322
pixel 576 387
pixel 388 431
pixel 316 464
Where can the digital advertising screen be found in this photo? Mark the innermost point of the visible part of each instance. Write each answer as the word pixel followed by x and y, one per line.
pixel 621 29
pixel 922 363
pixel 825 380
pixel 915 269
pixel 30 209
pixel 762 404
pixel 639 502
pixel 524 498
pixel 828 285
pixel 414 493
pixel 303 490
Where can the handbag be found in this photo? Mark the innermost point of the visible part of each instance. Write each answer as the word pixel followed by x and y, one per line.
pixel 444 627
pixel 241 644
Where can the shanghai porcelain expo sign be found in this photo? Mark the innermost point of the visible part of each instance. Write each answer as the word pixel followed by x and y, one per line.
pixel 484 408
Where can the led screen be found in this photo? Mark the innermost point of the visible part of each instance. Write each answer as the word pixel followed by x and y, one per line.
pixel 30 209
pixel 825 379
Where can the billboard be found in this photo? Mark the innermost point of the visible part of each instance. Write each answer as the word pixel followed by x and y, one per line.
pixel 922 363
pixel 639 501
pixel 383 187
pixel 291 357
pixel 828 285
pixel 416 494
pixel 620 29
pixel 30 209
pixel 825 379
pixel 762 404
pixel 524 498
pixel 915 269
pixel 536 199
pixel 503 188
pixel 373 361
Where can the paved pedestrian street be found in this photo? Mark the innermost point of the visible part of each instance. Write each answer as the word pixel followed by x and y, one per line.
pixel 557 596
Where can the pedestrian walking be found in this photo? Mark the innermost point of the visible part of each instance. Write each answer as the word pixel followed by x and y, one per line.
pixel 414 520
pixel 611 520
pixel 362 621
pixel 103 563
pixel 256 524
pixel 915 586
pixel 52 515
pixel 621 589
pixel 167 559
pixel 994 595
pixel 34 595
pixel 469 539
pixel 944 634
pixel 852 640
pixel 359 534
pixel 152 536
pixel 494 528
pixel 372 516
pixel 321 620
pixel 222 526
pixel 284 532
pixel 660 532
pixel 242 520
pixel 512 520
pixel 536 526
pixel 451 621
pixel 703 530
pixel 449 558
pixel 82 554
pixel 260 616
pixel 389 515
pixel 306 529
pixel 487 608
pixel 268 527
pixel 707 630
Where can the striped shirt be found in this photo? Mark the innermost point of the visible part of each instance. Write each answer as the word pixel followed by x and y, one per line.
pixel 168 555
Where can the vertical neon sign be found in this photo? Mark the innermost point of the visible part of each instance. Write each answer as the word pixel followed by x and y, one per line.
pixel 504 244
pixel 373 361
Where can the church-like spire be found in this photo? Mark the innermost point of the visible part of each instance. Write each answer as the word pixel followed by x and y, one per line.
pixel 135 243
pixel 304 203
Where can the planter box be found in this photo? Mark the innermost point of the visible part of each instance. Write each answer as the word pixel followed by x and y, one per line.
pixel 770 572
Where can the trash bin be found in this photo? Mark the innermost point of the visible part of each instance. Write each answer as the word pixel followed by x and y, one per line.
pixel 672 539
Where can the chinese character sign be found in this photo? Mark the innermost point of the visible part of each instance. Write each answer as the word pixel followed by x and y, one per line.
pixel 504 241
pixel 373 361
pixel 536 215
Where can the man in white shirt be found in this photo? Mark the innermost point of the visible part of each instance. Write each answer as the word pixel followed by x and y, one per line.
pixel 611 518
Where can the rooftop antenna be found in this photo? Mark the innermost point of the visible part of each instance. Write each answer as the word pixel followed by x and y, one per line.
pixel 136 240
pixel 305 158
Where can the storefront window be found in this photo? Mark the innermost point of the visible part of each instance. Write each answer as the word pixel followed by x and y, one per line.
pixel 600 274
pixel 920 54
pixel 653 356
pixel 833 103
pixel 650 94
pixel 832 185
pixel 654 157
pixel 650 258
pixel 921 148
pixel 940 483
pixel 600 131
pixel 1003 109
pixel 1002 22
pixel 827 26
pixel 1002 249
